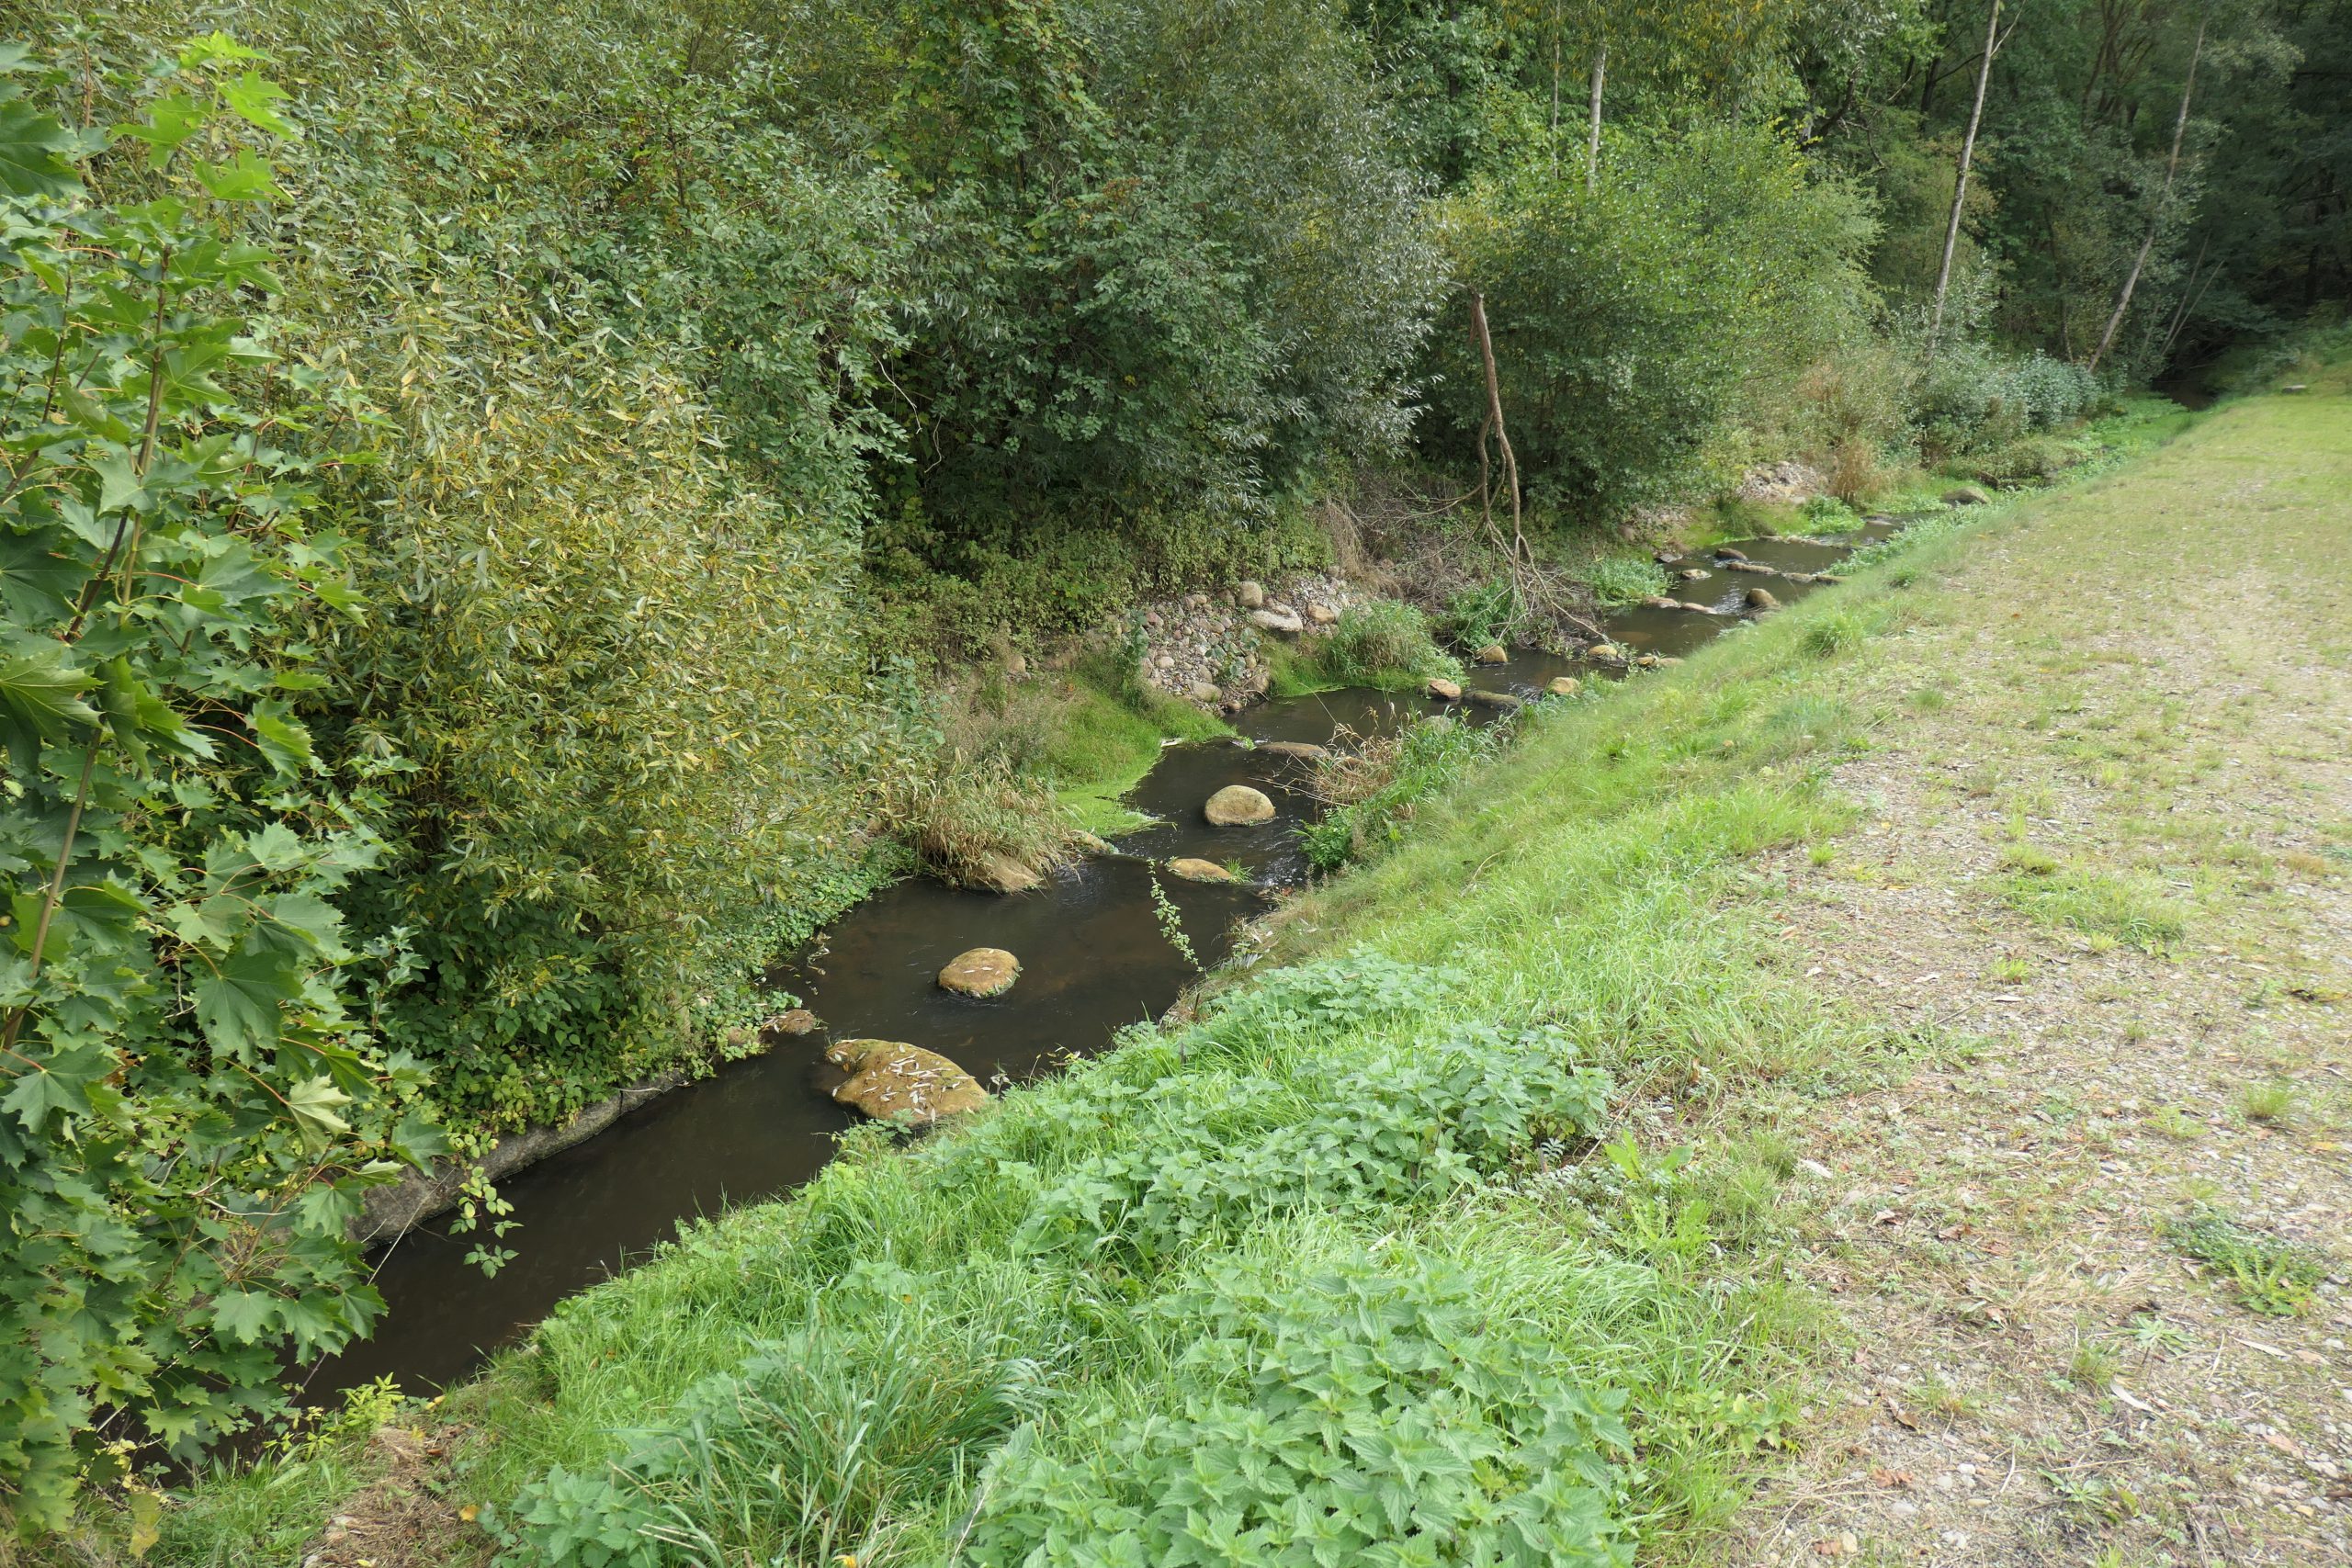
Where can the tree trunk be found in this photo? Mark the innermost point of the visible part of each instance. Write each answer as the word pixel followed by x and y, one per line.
pixel 1960 181
pixel 1592 148
pixel 2164 198
pixel 1556 85
pixel 1495 421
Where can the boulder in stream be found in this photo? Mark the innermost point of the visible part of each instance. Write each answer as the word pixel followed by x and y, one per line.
pixel 1746 565
pixel 787 1026
pixel 980 972
pixel 1303 751
pixel 1762 599
pixel 997 873
pixel 1659 601
pixel 1724 552
pixel 1606 654
pixel 1493 653
pixel 1503 700
pixel 1693 574
pixel 1192 868
pixel 1696 609
pixel 893 1081
pixel 1443 689
pixel 1237 805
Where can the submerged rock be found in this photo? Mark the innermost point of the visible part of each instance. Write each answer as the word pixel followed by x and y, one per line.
pixel 1565 687
pixel 1492 699
pixel 1693 574
pixel 1493 653
pixel 1965 495
pixel 787 1026
pixel 893 1081
pixel 1276 621
pixel 1443 689
pixel 980 972
pixel 1659 601
pixel 1696 609
pixel 997 873
pixel 1762 599
pixel 1724 552
pixel 1744 564
pixel 1305 750
pixel 1237 806
pixel 1193 869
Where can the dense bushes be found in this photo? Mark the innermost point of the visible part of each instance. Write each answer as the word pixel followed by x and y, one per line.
pixel 1975 398
pixel 191 1096
pixel 1628 324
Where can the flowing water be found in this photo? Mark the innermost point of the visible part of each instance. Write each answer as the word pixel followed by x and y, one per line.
pixel 1093 960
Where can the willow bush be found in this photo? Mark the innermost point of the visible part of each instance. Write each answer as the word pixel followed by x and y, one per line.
pixel 609 521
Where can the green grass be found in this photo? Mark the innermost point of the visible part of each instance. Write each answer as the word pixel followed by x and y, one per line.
pixel 2266 1274
pixel 1625 580
pixel 2132 907
pixel 1103 740
pixel 1383 644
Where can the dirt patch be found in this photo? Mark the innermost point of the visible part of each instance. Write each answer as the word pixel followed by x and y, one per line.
pixel 401 1519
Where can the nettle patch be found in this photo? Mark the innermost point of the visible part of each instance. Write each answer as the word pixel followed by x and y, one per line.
pixel 1378 1411
pixel 1407 1127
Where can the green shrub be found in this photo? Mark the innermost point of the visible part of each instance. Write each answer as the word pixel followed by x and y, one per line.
pixel 1629 323
pixel 1625 580
pixel 1386 784
pixel 1381 1397
pixel 1481 613
pixel 194 1100
pixel 2031 460
pixel 1379 643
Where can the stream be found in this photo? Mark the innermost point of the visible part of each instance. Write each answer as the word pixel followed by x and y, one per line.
pixel 1093 961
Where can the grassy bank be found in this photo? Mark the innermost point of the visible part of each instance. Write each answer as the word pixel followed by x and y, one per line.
pixel 1475 1187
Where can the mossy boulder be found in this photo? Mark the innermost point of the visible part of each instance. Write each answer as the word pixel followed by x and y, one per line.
pixel 980 972
pixel 893 1081
pixel 1193 869
pixel 1237 805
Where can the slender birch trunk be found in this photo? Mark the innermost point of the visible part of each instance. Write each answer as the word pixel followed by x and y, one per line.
pixel 2163 200
pixel 1592 148
pixel 1960 184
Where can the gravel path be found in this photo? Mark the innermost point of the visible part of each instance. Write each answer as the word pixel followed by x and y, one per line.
pixel 2101 865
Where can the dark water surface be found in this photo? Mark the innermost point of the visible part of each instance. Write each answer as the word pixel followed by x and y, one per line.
pixel 1093 961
